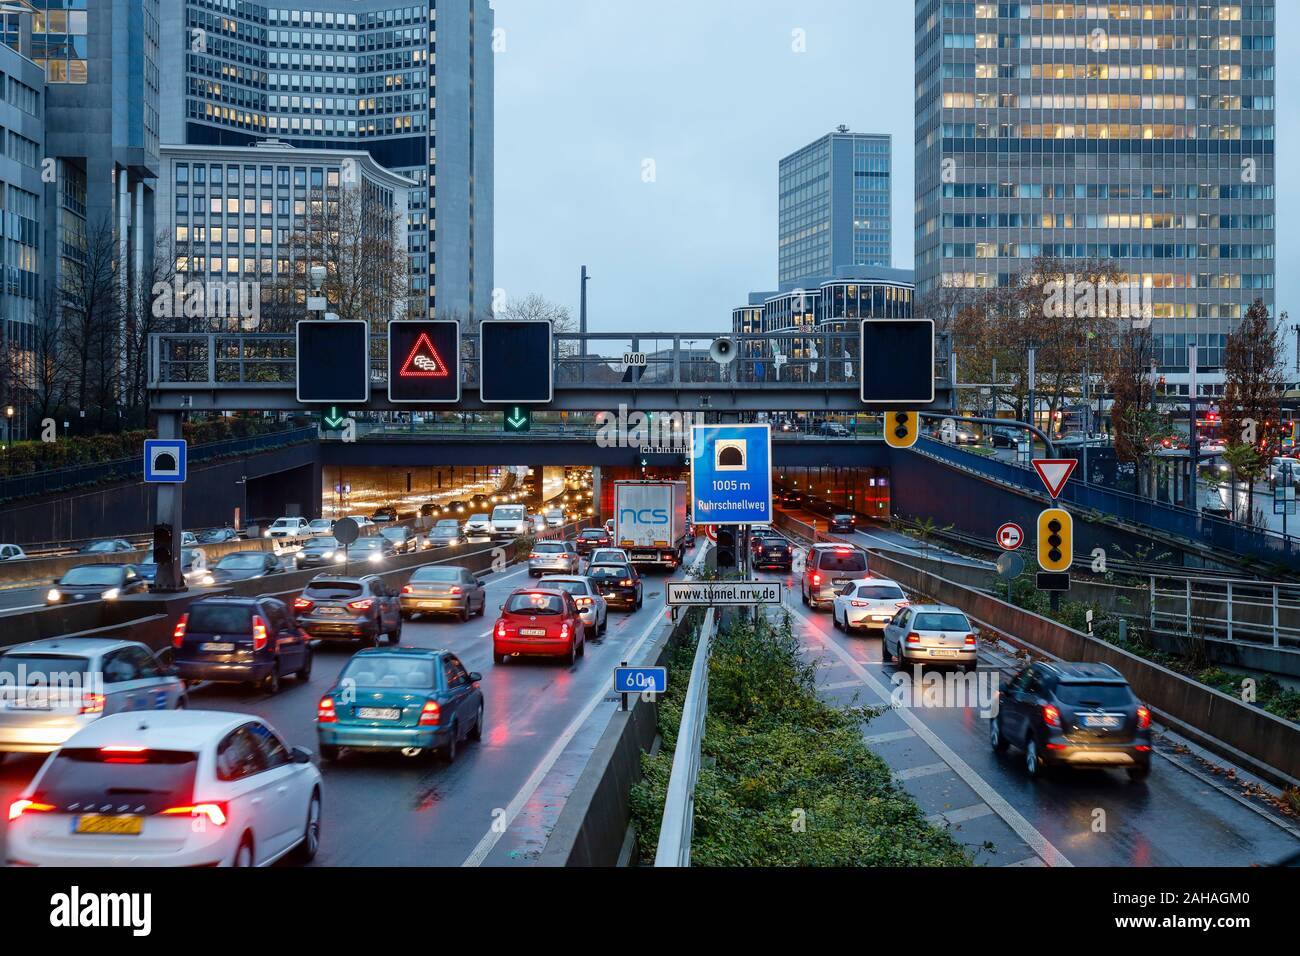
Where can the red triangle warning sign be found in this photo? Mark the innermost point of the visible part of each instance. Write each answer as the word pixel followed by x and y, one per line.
pixel 423 360
pixel 1055 472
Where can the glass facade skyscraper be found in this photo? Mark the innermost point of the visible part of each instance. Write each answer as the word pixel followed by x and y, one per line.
pixel 835 205
pixel 1140 133
pixel 412 85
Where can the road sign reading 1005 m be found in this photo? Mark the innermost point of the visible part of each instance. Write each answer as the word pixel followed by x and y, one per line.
pixel 424 361
pixel 515 362
pixel 333 361
pixel 897 361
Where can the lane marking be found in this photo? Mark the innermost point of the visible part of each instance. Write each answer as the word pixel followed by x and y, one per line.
pixel 1013 818
pixel 493 835
pixel 925 770
pixel 841 685
pixel 1028 861
pixel 886 738
pixel 953 817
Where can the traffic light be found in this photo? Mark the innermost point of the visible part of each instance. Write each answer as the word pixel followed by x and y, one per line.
pixel 163 556
pixel 1055 540
pixel 901 429
pixel 726 556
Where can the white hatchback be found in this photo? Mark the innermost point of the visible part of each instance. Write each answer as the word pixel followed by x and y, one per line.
pixel 870 603
pixel 169 788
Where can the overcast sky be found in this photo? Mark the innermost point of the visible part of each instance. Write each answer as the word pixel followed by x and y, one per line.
pixel 713 93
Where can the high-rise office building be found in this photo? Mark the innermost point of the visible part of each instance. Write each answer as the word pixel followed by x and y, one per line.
pixel 1139 133
pixel 835 205
pixel 411 85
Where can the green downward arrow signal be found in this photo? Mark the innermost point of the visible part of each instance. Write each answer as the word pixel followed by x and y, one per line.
pixel 333 419
pixel 519 420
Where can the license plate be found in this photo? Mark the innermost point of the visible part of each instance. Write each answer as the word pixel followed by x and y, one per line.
pixel 532 632
pixel 840 581
pixel 329 610
pixel 217 648
pixel 378 713
pixel 940 652
pixel 117 825
pixel 643 555
pixel 1100 720
pixel 432 603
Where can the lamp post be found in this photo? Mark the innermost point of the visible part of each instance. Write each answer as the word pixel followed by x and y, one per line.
pixel 9 433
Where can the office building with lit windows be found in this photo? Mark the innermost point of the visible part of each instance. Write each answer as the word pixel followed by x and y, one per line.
pixel 834 205
pixel 1140 133
pixel 412 85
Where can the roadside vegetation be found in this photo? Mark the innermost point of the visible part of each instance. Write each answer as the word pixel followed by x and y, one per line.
pixel 786 779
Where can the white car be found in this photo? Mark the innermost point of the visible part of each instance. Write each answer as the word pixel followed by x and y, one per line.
pixel 510 519
pixel 11 552
pixel 555 518
pixel 1279 468
pixel 169 788
pixel 287 528
pixel 320 527
pixel 477 526
pixel 870 603
pixel 608 556
pixel 937 633
pixel 53 688
pixel 592 607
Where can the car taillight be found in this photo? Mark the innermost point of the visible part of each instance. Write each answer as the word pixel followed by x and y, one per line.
pixel 178 635
pixel 407 589
pixel 816 580
pixel 564 631
pixel 970 640
pixel 325 713
pixel 902 604
pixel 858 604
pixel 92 704
pixel 430 713
pixel 1144 718
pixel 215 812
pixel 302 604
pixel 1051 716
pixel 501 629
pixel 365 604
pixel 26 805
pixel 626 582
pixel 914 638
pixel 534 555
pixel 584 602
pixel 259 633
pixel 455 589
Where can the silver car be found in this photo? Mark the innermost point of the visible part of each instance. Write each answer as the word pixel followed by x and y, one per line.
pixel 937 633
pixel 558 556
pixel 446 533
pixel 50 689
pixel 592 607
pixel 870 603
pixel 443 589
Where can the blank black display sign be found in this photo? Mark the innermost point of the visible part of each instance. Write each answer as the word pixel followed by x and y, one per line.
pixel 334 361
pixel 515 362
pixel 897 361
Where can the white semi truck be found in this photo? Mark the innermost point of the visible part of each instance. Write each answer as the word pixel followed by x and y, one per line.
pixel 650 522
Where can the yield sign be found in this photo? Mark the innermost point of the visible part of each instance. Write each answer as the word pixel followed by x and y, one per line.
pixel 1055 472
pixel 423 361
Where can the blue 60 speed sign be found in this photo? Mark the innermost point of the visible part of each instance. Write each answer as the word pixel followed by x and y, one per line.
pixel 638 680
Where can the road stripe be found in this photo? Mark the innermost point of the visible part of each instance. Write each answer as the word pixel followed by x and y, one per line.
pixel 953 817
pixel 1013 818
pixel 886 738
pixel 925 770
pixel 1027 861
pixel 495 832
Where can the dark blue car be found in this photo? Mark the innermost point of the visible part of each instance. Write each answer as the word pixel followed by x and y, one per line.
pixel 410 699
pixel 241 640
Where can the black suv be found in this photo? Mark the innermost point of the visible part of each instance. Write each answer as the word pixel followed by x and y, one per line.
pixel 844 522
pixel 1076 715
pixel 240 640
pixel 346 608
pixel 770 551
pixel 591 538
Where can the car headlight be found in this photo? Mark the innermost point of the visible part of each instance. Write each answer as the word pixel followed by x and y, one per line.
pixel 266 534
pixel 111 594
pixel 328 556
pixel 54 594
pixel 375 558
pixel 339 557
pixel 207 579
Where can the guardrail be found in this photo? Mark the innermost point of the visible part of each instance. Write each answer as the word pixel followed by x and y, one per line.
pixel 679 803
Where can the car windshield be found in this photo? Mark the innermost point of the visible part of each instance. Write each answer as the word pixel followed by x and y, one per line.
pixel 26 670
pixel 448 524
pixel 548 547
pixel 332 589
pixel 1094 695
pixel 941 621
pixel 533 602
pixel 881 592
pixel 389 670
pixel 608 571
pixel 219 618
pixel 242 561
pixel 369 544
pixel 771 542
pixel 573 587
pixel 322 544
pixel 92 575
pixel 478 519
pixel 148 781
pixel 593 533
pixel 394 534
pixel 508 513
pixel 436 574
pixel 216 534
pixel 839 561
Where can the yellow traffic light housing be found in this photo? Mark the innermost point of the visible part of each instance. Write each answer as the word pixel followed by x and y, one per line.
pixel 902 429
pixel 1055 540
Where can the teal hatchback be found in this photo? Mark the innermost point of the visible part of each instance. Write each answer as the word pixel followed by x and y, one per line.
pixel 401 698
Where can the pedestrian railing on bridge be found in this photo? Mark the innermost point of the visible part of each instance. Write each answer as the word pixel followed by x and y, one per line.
pixel 679 804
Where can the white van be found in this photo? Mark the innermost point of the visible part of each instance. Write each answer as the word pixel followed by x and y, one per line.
pixel 510 519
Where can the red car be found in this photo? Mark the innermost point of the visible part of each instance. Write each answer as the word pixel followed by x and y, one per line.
pixel 543 622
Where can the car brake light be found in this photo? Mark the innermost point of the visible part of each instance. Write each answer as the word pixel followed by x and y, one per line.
pixel 259 633
pixel 914 638
pixel 363 605
pixel 842 551
pixel 178 635
pixel 430 713
pixel 215 812
pixel 858 604
pixel 92 704
pixel 455 589
pixel 325 713
pixel 25 805
pixel 407 589
pixel 817 579
pixel 584 602
pixel 970 640
pixel 1051 716
pixel 1144 718
pixel 564 631
pixel 501 629
pixel 302 604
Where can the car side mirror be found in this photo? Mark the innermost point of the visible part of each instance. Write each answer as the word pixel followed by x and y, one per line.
pixel 302 755
pixel 501 607
pixel 475 676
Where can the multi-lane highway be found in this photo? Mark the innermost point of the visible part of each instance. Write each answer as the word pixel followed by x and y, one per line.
pixel 496 803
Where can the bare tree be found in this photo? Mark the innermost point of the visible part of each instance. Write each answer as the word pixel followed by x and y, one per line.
pixel 1253 383
pixel 48 381
pixel 88 299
